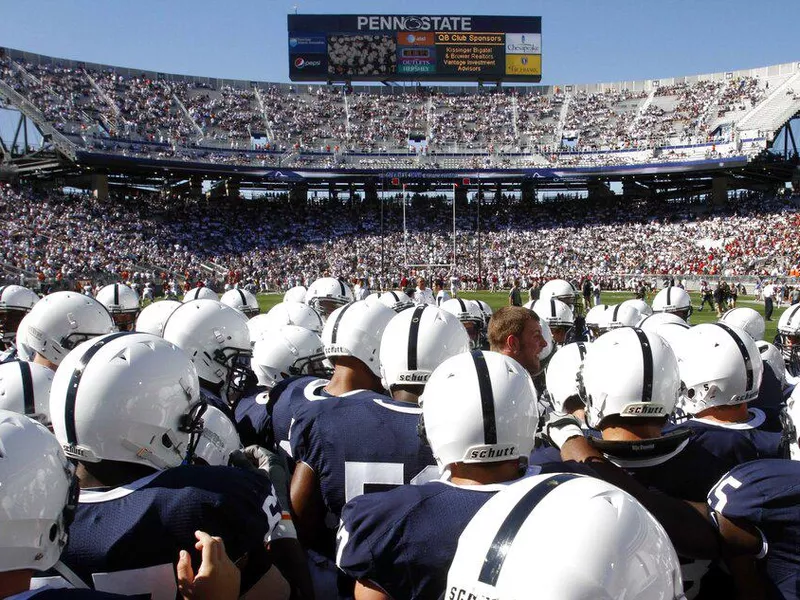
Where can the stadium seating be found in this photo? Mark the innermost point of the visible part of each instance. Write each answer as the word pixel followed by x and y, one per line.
pixel 121 111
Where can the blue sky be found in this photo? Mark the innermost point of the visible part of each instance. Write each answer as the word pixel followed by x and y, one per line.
pixel 583 40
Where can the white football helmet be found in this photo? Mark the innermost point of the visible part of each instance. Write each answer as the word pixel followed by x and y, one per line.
pixel 327 294
pixel 128 397
pixel 122 302
pixel 470 316
pixel 643 307
pixel 25 389
pixel 624 552
pixel 397 301
pixel 549 350
pixel 562 374
pixel 479 407
pixel 241 300
pixel 154 316
pixel 719 365
pixel 295 313
pixel 652 322
pixel 555 312
pixel 621 315
pixel 561 289
pixel 356 330
pixel 675 334
pixel 788 339
pixel 219 438
pixel 24 350
pixel 15 302
pixel 286 352
pixel 215 337
pixel 673 300
pixel 487 312
pixel 748 319
pixel 596 321
pixel 295 294
pixel 771 355
pixel 629 373
pixel 39 495
pixel 62 320
pixel 417 341
pixel 200 293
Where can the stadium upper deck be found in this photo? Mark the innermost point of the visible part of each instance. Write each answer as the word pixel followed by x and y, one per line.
pixel 720 118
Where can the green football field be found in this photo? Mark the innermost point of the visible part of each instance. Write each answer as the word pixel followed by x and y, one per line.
pixel 498 299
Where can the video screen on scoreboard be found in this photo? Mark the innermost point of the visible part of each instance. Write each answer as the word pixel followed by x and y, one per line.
pixel 414 48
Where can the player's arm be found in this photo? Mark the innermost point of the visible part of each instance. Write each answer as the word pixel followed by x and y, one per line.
pixel 366 590
pixel 688 524
pixel 308 506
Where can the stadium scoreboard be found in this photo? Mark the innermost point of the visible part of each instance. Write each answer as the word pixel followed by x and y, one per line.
pixel 414 48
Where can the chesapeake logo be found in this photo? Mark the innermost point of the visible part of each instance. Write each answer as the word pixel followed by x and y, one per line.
pixel 523 43
pixel 302 63
pixel 644 410
pixel 491 452
pixel 413 377
pixel 413 23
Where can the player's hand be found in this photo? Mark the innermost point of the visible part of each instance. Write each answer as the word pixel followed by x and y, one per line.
pixel 216 579
pixel 273 465
pixel 559 427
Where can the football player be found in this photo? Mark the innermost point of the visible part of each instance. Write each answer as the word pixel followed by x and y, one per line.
pixel 127 407
pixel 673 300
pixel 327 294
pixel 526 543
pixel 15 302
pixel 216 338
pixel 25 389
pixel 122 302
pixel 756 509
pixel 62 320
pixel 351 341
pixel 479 416
pixel 470 315
pixel 284 354
pixel 721 369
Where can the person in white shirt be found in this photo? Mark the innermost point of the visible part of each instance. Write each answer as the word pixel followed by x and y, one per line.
pixel 423 294
pixel 455 283
pixel 361 289
pixel 768 292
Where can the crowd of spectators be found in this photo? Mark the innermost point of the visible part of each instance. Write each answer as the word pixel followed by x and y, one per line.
pixel 185 119
pixel 271 242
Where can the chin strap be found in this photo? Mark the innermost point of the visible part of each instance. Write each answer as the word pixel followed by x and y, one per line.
pixel 70 575
pixel 642 449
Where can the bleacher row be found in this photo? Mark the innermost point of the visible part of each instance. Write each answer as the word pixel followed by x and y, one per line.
pixel 117 111
pixel 58 237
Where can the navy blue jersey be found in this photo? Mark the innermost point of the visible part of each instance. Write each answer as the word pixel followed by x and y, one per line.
pixel 360 443
pixel 127 539
pixel 741 442
pixel 404 540
pixel 688 472
pixel 766 494
pixel 770 400
pixel 253 422
pixel 285 400
pixel 214 400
